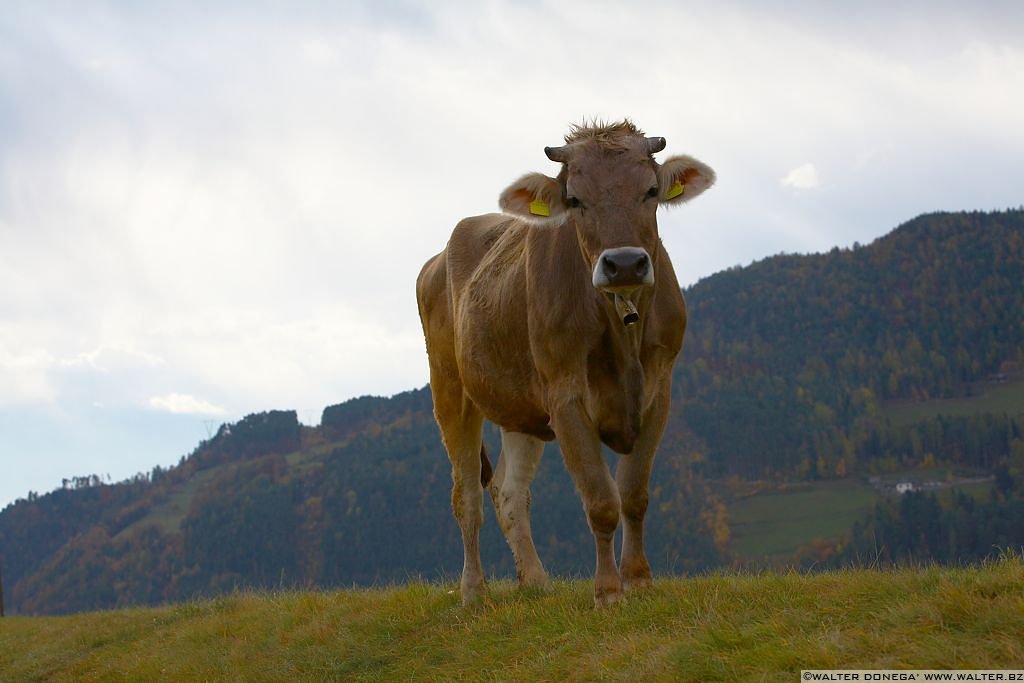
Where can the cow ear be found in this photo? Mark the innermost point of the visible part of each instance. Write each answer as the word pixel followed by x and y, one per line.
pixel 681 178
pixel 534 196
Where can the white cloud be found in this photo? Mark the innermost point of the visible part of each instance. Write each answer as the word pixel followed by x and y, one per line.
pixel 803 177
pixel 184 404
pixel 249 221
pixel 24 378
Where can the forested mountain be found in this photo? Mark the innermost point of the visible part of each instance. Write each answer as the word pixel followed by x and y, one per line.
pixel 788 370
pixel 788 362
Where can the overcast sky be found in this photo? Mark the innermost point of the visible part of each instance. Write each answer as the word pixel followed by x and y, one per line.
pixel 211 209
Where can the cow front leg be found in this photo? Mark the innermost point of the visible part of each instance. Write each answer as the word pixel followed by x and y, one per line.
pixel 581 450
pixel 632 476
pixel 510 491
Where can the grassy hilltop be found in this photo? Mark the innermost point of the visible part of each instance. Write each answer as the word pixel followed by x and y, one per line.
pixel 723 627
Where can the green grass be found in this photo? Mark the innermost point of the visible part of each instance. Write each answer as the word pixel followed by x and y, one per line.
pixel 723 627
pixel 997 398
pixel 775 524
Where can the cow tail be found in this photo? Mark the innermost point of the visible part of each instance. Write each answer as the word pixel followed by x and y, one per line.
pixel 485 467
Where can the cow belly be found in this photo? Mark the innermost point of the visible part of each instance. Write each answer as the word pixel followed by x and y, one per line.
pixel 503 387
pixel 507 403
pixel 536 425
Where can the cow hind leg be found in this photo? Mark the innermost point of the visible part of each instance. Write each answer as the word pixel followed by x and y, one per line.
pixel 467 502
pixel 461 426
pixel 510 492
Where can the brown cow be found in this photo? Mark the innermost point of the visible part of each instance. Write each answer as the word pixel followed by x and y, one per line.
pixel 561 318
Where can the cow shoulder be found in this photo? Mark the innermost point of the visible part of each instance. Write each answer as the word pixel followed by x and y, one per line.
pixel 470 242
pixel 564 308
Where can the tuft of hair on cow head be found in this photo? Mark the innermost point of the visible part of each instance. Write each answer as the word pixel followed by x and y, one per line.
pixel 534 196
pixel 681 178
pixel 610 136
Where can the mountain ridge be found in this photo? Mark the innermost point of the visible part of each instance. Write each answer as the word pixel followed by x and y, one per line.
pixel 785 374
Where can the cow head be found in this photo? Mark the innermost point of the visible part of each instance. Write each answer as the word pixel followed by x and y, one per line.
pixel 609 188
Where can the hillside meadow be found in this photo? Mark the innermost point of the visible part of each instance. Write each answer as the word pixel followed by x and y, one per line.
pixel 764 626
pixel 771 526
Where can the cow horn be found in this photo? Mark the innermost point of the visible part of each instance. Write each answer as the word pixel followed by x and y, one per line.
pixel 655 145
pixel 559 154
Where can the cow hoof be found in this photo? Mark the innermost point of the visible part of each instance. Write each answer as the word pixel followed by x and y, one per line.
pixel 538 581
pixel 472 593
pixel 608 599
pixel 637 583
pixel 475 601
pixel 535 590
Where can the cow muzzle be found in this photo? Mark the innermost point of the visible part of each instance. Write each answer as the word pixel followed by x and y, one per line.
pixel 621 273
pixel 623 270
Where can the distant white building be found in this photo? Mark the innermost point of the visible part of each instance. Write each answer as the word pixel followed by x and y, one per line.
pixel 904 487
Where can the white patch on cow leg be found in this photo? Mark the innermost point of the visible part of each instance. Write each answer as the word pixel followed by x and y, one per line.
pixel 510 491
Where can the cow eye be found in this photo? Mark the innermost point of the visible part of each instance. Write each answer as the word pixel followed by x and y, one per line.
pixel 652 193
pixel 573 202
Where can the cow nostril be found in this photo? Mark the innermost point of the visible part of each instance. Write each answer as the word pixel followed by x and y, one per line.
pixel 642 264
pixel 609 266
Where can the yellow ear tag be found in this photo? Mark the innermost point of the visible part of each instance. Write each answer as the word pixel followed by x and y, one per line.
pixel 675 190
pixel 539 207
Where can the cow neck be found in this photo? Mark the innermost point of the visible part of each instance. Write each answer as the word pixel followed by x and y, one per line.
pixel 620 349
pixel 568 298
pixel 605 303
pixel 558 284
pixel 625 339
